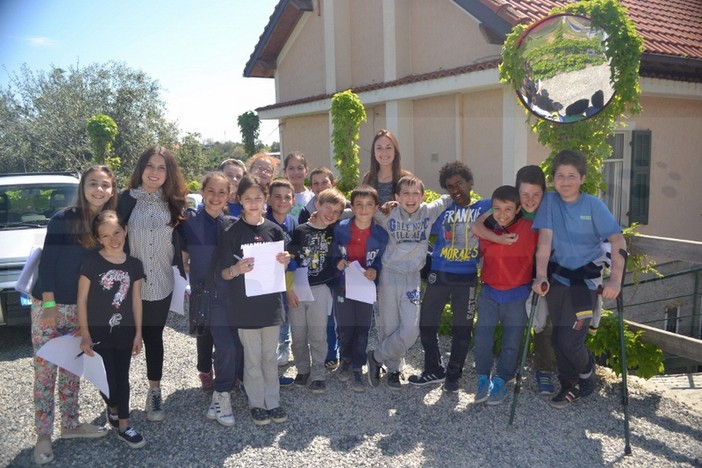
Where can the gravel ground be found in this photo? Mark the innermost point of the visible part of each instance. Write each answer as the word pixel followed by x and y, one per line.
pixel 413 427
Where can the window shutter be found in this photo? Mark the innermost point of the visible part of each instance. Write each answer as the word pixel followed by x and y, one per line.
pixel 640 188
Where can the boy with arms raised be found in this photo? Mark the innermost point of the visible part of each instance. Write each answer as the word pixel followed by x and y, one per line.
pixel 311 247
pixel 571 226
pixel 506 281
pixel 356 239
pixel 408 226
pixel 453 276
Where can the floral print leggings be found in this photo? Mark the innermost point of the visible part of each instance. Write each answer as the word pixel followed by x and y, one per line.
pixel 45 373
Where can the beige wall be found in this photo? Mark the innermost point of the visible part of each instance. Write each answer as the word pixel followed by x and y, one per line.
pixel 303 64
pixel 310 135
pixel 675 208
pixel 482 139
pixel 434 133
pixel 445 36
pixel 367 42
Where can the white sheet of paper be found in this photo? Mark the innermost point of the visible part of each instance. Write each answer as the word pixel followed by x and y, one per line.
pixel 358 287
pixel 301 284
pixel 178 298
pixel 63 350
pixel 268 274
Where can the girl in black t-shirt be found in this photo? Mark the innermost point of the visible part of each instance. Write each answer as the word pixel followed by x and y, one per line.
pixel 110 316
pixel 257 318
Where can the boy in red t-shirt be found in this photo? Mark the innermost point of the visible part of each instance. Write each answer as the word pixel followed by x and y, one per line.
pixel 506 276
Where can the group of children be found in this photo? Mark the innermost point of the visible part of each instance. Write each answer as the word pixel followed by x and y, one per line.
pixel 519 250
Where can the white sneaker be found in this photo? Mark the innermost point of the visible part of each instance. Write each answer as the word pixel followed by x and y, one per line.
pixel 153 409
pixel 222 407
pixel 283 356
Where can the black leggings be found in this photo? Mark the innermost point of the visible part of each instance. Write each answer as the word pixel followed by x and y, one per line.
pixel 155 314
pixel 117 361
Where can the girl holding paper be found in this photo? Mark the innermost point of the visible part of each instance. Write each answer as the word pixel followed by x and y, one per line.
pixel 257 318
pixel 68 241
pixel 356 239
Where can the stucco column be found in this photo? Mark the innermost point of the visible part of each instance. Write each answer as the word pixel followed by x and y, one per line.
pixel 399 116
pixel 514 136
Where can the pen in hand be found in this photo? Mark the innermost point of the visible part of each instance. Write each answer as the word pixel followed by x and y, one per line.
pixel 83 352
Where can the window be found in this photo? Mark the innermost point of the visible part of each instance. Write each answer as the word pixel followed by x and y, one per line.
pixel 627 175
pixel 672 313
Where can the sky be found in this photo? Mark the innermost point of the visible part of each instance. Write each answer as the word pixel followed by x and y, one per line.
pixel 196 49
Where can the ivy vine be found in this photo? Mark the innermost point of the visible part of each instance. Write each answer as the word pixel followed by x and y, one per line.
pixel 347 113
pixel 623 48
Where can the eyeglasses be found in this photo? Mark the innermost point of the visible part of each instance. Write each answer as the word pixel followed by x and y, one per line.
pixel 265 170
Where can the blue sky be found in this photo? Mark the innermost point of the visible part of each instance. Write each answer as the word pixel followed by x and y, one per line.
pixel 196 49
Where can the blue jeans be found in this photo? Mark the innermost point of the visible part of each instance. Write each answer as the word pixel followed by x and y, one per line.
pixel 332 341
pixel 284 337
pixel 229 352
pixel 353 320
pixel 513 317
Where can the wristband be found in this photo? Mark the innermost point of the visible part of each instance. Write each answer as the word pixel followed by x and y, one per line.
pixel 48 304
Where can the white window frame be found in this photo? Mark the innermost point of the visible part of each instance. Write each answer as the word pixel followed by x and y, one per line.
pixel 667 313
pixel 619 206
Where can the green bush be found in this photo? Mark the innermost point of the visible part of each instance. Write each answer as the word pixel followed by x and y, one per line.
pixel 643 359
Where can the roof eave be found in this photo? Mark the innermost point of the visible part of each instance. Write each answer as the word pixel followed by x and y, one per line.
pixel 287 13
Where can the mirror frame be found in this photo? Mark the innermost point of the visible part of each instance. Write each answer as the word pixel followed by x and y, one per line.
pixel 579 116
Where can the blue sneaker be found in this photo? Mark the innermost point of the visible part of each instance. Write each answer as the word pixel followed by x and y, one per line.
pixel 286 381
pixel 483 388
pixel 498 391
pixel 544 383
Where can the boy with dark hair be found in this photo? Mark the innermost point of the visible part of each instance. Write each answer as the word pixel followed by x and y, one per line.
pixel 408 227
pixel 356 239
pixel 280 202
pixel 506 276
pixel 311 247
pixel 572 225
pixel 453 276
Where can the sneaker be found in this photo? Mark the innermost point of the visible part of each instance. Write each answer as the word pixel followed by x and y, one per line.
pixel 588 385
pixel 207 381
pixel 345 372
pixel 374 370
pixel 112 418
pixel 43 453
pixel 427 378
pixel 483 388
pixel 451 385
pixel 278 415
pixel 153 409
pixel 260 417
pixel 318 386
pixel 221 408
pixel 283 356
pixel 301 380
pixel 84 431
pixel 568 394
pixel 357 383
pixel 331 364
pixel 286 381
pixel 394 382
pixel 131 437
pixel 544 383
pixel 498 391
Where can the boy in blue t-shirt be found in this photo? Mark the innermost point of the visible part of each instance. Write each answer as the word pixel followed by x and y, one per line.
pixel 453 276
pixel 572 225
pixel 280 202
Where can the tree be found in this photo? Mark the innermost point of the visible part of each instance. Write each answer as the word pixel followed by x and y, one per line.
pixel 43 116
pixel 102 131
pixel 191 157
pixel 347 114
pixel 249 125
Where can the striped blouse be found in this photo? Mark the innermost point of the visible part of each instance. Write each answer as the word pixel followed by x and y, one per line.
pixel 151 241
